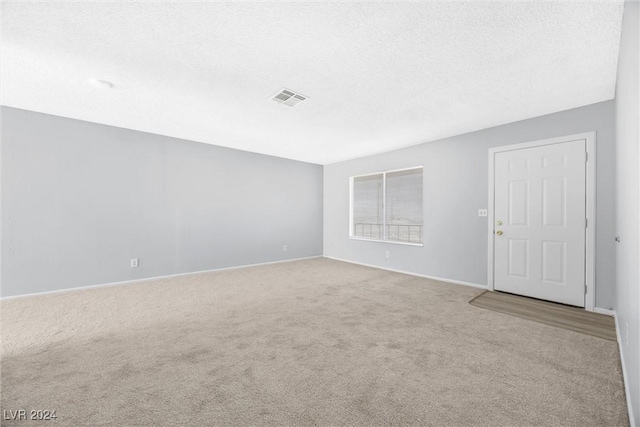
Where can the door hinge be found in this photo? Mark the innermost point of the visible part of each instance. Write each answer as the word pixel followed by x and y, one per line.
pixel 586 157
pixel 585 288
pixel 586 222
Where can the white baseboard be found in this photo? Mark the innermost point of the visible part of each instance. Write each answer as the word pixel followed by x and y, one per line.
pixel 604 311
pixel 625 378
pixel 440 279
pixel 127 282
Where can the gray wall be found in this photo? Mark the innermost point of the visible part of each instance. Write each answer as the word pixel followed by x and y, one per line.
pixel 456 186
pixel 627 201
pixel 79 200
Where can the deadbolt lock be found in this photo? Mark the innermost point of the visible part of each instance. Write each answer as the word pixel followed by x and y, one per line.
pixel 499 232
pixel 499 223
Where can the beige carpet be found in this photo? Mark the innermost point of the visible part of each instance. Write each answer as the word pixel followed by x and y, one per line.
pixel 307 343
pixel 550 313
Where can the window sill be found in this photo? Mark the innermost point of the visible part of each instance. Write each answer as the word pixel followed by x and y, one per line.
pixel 393 242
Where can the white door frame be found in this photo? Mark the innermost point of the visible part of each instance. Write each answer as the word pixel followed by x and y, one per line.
pixel 590 267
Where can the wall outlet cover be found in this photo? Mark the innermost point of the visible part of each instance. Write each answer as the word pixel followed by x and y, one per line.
pixel 482 212
pixel 626 333
pixel 134 262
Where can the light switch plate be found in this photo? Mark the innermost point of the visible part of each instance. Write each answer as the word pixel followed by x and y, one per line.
pixel 482 212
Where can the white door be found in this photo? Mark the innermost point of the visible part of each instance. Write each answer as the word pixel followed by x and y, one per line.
pixel 539 206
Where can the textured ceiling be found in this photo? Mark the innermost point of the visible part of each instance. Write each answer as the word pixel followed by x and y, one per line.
pixel 379 76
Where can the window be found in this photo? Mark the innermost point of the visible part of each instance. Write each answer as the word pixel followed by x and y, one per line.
pixel 387 206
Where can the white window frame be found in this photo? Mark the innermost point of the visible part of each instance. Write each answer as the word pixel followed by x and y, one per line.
pixel 384 207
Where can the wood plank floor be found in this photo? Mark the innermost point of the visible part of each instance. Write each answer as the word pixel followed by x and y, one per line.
pixel 549 313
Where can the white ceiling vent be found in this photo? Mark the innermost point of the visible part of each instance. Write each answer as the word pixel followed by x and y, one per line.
pixel 288 97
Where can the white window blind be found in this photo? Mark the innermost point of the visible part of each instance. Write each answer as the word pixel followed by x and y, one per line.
pixel 403 205
pixel 388 206
pixel 368 215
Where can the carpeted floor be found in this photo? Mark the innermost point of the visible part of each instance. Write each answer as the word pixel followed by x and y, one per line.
pixel 313 342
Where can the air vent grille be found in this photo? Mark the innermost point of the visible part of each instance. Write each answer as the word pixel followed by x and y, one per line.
pixel 288 97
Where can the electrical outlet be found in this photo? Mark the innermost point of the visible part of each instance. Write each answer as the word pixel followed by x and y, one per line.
pixel 482 212
pixel 134 262
pixel 387 254
pixel 626 333
pixel 285 248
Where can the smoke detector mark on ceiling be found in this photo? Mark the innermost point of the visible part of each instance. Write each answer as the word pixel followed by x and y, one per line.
pixel 288 97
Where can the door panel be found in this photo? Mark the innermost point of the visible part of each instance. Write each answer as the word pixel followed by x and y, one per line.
pixel 518 257
pixel 518 202
pixel 553 201
pixel 539 198
pixel 553 262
